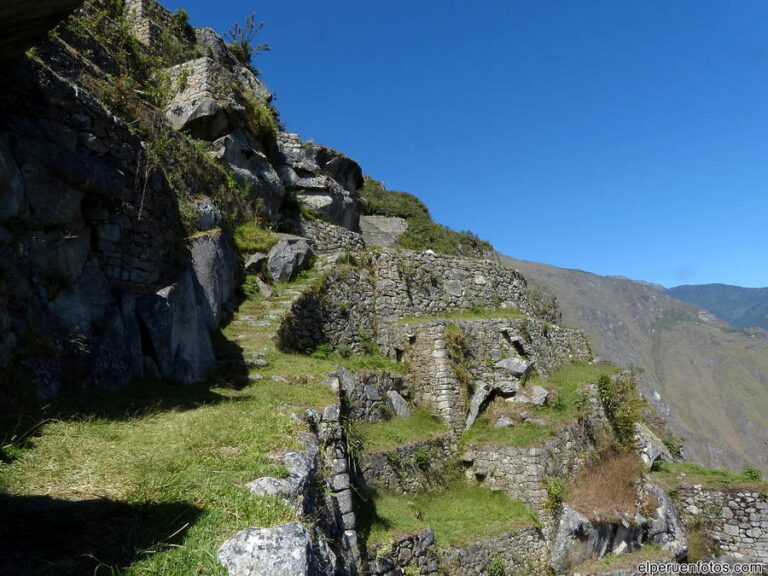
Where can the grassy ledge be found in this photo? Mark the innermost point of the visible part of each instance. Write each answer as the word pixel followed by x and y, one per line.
pixel 673 474
pixel 459 515
pixel 381 436
pixel 565 404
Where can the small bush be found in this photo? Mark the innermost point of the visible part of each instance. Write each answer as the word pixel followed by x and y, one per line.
pixel 606 491
pixel 423 457
pixel 556 492
pixel 752 474
pixel 622 405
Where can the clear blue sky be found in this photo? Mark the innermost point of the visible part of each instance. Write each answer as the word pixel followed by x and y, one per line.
pixel 619 137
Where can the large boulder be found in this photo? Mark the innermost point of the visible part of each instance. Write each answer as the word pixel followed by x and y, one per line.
pixel 650 447
pixel 289 256
pixel 216 268
pixel 665 527
pixel 247 157
pixel 175 321
pixel 284 550
pixel 26 22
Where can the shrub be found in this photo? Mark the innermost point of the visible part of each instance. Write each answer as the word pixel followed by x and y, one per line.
pixel 240 39
pixel 556 492
pixel 622 405
pixel 752 474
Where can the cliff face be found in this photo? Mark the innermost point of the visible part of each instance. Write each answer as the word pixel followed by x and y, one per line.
pixel 131 146
pixel 26 22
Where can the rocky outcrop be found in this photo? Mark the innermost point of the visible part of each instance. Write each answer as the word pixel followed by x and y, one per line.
pixel 23 23
pixel 288 257
pixel 216 267
pixel 322 179
pixel 284 550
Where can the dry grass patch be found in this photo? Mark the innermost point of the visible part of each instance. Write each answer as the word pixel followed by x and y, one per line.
pixel 607 491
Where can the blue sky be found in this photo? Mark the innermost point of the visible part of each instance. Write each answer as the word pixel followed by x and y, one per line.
pixel 618 137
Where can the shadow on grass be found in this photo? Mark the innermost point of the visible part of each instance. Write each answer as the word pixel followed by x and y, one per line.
pixel 46 536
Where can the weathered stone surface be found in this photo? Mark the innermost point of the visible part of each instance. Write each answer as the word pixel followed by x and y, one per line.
pixel 665 526
pixel 177 326
pixel 649 446
pixel 76 308
pixel 482 392
pixel 515 366
pixel 248 159
pixel 382 230
pixel 503 422
pixel 398 404
pixel 25 22
pixel 268 486
pixel 577 540
pixel 288 257
pixel 208 215
pixel 216 268
pixel 321 178
pixel 284 550
pixel 535 395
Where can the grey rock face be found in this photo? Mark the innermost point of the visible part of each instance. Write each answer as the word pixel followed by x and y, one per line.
pixel 248 159
pixel 503 422
pixel 535 395
pixel 25 22
pixel 482 392
pixel 398 404
pixel 577 540
pixel 255 262
pixel 382 230
pixel 177 326
pixel 11 183
pixel 665 527
pixel 284 550
pixel 649 446
pixel 515 366
pixel 208 215
pixel 321 178
pixel 288 257
pixel 77 307
pixel 215 266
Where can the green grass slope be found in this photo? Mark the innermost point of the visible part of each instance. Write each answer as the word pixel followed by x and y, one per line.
pixel 745 307
pixel 712 378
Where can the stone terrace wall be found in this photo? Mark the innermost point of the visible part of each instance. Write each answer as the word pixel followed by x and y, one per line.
pixel 521 471
pixel 407 469
pixel 421 284
pixel 338 313
pixel 736 519
pixel 326 237
pixel 433 380
pixel 521 552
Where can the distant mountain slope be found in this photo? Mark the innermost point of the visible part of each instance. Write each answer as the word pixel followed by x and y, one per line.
pixel 736 305
pixel 712 378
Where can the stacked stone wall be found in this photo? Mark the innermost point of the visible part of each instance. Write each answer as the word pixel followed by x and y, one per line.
pixel 736 519
pixel 326 237
pixel 522 472
pixel 422 284
pixel 407 469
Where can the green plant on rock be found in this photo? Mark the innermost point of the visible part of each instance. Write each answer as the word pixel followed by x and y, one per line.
pixel 495 567
pixel 752 474
pixel 622 404
pixel 422 457
pixel 556 493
